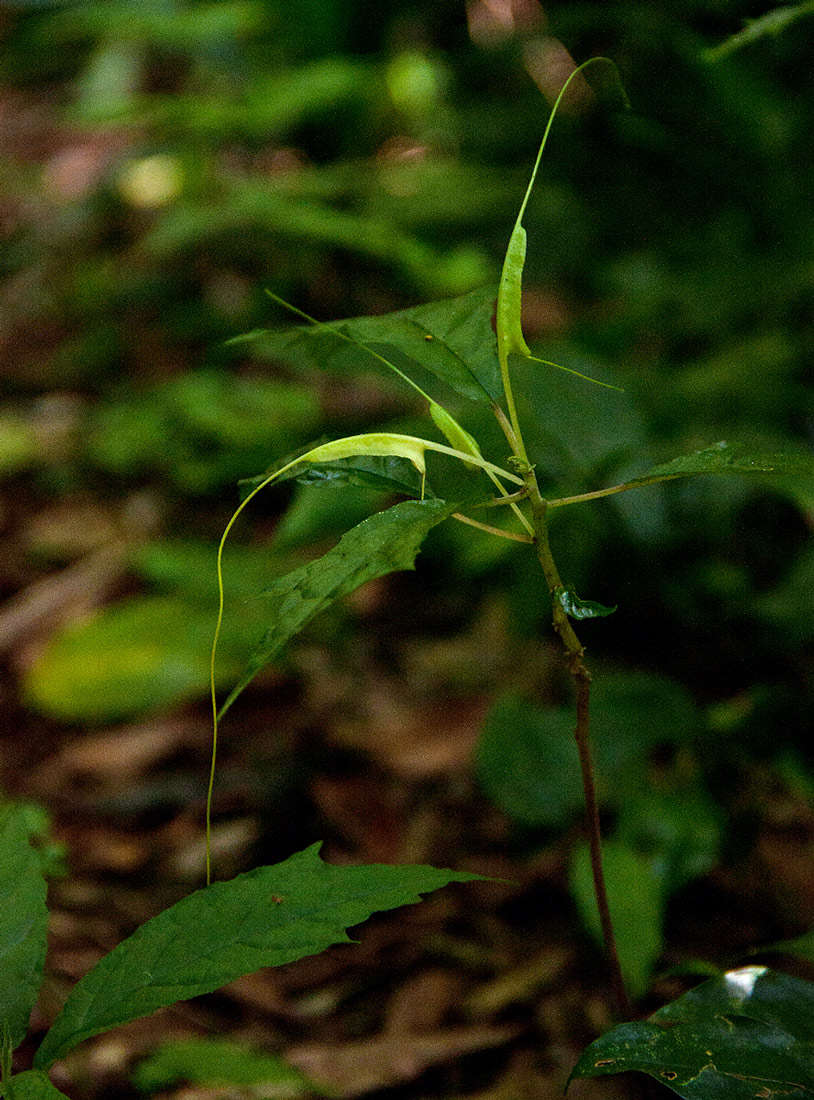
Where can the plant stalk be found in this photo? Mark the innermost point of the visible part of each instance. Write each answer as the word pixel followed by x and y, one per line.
pixel 575 659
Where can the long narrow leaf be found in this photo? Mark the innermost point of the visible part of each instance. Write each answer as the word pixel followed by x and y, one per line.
pixel 267 917
pixel 23 925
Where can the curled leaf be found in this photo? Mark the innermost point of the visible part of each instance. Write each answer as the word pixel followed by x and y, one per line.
pixel 576 608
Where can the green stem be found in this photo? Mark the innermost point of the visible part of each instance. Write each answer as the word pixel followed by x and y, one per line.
pixel 575 659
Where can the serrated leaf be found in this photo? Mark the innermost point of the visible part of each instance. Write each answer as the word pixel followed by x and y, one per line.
pixel 746 1035
pixel 383 543
pixel 219 1062
pixel 23 924
pixel 451 339
pixel 576 608
pixel 267 917
pixel 33 1084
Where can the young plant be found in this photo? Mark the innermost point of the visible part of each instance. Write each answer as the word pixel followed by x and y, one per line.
pixel 454 341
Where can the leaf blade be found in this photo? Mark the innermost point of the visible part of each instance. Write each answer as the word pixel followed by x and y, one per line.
pixel 743 1035
pixel 383 543
pixel 23 925
pixel 267 917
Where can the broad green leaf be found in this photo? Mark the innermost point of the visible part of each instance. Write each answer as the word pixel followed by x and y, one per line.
pixel 451 340
pixel 720 458
pixel 133 657
pixel 220 1062
pixel 528 765
pixel 636 898
pixel 576 608
pixel 23 924
pixel 267 917
pixel 33 1084
pixel 723 458
pixel 746 1035
pixel 526 762
pixel 383 543
pixel 677 825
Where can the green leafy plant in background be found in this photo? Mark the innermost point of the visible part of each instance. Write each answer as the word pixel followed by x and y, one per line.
pixel 455 344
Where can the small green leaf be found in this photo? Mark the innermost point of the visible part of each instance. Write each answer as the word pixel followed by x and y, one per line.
pixel 576 608
pixel 383 543
pixel 267 917
pixel 219 1062
pixel 32 1084
pixel 23 924
pixel 636 898
pixel 746 1035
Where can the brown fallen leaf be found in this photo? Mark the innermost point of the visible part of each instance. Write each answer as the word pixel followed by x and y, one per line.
pixel 352 1069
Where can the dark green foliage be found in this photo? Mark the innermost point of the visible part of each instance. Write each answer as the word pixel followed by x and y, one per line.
pixel 746 1035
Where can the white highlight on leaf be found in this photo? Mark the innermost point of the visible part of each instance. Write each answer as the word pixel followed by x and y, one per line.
pixel 741 983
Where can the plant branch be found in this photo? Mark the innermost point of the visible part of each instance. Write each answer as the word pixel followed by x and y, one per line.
pixel 575 659
pixel 516 536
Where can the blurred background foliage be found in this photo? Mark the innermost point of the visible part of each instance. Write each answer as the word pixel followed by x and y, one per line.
pixel 163 162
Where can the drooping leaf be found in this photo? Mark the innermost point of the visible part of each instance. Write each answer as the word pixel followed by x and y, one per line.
pixel 636 897
pixel 390 473
pixel 23 924
pixel 451 340
pixel 267 917
pixel 32 1084
pixel 746 1035
pixel 383 543
pixel 220 1062
pixel 576 608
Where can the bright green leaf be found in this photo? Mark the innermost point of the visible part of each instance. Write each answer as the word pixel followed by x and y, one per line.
pixel 132 657
pixel 636 899
pixel 746 1035
pixel 220 1062
pixel 23 924
pixel 383 543
pixel 267 917
pixel 33 1084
